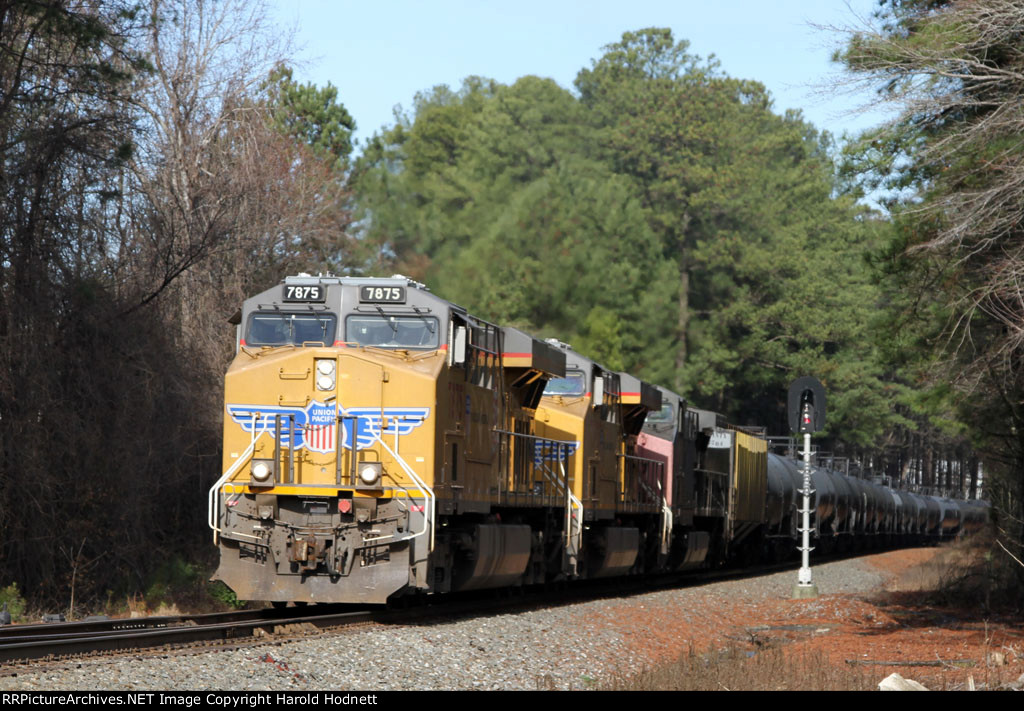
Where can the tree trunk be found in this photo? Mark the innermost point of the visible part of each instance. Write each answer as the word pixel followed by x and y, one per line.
pixel 684 323
pixel 975 470
pixel 928 468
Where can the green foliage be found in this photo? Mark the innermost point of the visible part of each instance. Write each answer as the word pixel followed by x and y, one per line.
pixel 224 595
pixel 15 602
pixel 665 222
pixel 601 337
pixel 311 115
pixel 504 205
pixel 173 579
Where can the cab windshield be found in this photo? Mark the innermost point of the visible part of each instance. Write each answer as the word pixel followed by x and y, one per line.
pixel 572 384
pixel 415 332
pixel 662 416
pixel 280 329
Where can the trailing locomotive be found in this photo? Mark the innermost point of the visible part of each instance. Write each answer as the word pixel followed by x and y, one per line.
pixel 380 441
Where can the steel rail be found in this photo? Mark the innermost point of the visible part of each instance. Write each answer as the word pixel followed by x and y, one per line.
pixel 125 624
pixel 32 642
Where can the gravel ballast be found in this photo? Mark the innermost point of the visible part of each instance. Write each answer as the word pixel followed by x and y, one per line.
pixel 578 646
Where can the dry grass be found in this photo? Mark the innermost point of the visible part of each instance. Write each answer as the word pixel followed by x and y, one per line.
pixel 953 573
pixel 973 574
pixel 768 668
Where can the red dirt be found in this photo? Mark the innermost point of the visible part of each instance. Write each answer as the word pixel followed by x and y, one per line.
pixel 957 648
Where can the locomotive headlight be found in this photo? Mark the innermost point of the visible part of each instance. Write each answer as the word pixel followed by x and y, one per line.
pixel 325 366
pixel 262 472
pixel 326 376
pixel 369 472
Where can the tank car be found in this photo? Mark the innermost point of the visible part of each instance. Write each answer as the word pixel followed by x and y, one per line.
pixel 851 513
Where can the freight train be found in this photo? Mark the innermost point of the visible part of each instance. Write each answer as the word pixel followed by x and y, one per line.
pixel 381 442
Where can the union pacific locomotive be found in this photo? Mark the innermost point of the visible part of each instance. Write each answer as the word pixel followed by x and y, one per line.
pixel 380 441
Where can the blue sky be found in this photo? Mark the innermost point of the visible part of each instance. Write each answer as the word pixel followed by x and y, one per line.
pixel 379 54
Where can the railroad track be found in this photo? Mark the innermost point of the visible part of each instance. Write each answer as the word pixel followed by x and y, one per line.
pixel 61 640
pixel 54 640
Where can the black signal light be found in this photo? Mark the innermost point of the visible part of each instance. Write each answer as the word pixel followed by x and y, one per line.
pixel 806 405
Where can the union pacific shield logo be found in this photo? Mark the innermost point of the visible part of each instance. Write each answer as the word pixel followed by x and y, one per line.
pixel 315 426
pixel 551 450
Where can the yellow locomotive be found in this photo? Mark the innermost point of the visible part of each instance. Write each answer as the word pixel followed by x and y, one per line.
pixel 379 440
